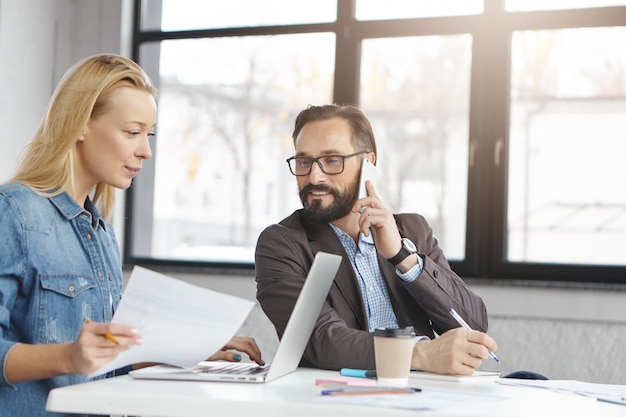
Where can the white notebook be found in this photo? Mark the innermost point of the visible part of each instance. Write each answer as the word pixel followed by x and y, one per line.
pixel 477 376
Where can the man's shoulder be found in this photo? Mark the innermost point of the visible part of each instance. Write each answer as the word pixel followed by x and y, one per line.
pixel 293 222
pixel 297 231
pixel 289 226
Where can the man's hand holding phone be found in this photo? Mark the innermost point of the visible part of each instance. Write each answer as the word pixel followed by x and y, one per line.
pixel 379 219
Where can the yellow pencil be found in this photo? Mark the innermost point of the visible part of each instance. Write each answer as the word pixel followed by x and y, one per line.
pixel 108 336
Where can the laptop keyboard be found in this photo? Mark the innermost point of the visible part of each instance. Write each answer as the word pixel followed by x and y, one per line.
pixel 231 369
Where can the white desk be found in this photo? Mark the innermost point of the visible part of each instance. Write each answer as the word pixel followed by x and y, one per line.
pixel 297 395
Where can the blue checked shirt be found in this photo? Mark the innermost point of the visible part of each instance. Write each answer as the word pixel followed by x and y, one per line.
pixel 364 260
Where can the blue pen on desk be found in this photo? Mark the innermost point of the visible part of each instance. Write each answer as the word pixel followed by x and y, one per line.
pixel 358 373
pixel 370 391
pixel 464 325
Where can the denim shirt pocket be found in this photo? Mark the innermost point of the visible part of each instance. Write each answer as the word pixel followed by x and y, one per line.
pixel 66 301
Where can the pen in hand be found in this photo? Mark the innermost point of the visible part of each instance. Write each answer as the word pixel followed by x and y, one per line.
pixel 464 325
pixel 108 336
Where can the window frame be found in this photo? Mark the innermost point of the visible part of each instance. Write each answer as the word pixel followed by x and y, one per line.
pixel 486 234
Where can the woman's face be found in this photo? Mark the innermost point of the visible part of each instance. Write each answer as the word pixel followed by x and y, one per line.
pixel 113 146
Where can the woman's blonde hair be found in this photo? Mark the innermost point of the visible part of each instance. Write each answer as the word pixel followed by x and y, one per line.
pixel 83 93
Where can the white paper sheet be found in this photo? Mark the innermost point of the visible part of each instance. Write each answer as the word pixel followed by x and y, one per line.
pixel 428 399
pixel 181 324
pixel 476 377
pixel 589 389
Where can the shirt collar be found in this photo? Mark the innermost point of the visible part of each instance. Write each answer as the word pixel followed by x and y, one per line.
pixel 343 236
pixel 70 209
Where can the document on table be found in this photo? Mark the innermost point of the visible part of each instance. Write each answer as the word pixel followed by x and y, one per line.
pixel 181 324
pixel 569 386
pixel 427 399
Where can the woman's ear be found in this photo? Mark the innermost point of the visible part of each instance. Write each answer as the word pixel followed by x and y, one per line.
pixel 81 137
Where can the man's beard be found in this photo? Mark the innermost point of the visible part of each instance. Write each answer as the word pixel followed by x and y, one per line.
pixel 340 207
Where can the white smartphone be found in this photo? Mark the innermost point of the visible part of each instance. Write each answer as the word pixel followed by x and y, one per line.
pixel 368 172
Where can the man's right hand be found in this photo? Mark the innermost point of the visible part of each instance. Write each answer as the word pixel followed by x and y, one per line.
pixel 456 352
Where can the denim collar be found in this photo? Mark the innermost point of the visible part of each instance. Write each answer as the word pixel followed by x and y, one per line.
pixel 70 209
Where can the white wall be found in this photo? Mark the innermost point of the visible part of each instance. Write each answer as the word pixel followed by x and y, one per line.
pixel 563 333
pixel 26 73
pixel 39 41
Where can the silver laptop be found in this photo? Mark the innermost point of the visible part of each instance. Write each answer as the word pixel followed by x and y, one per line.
pixel 291 346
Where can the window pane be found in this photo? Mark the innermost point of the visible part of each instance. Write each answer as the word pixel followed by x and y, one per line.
pixel 567 199
pixel 535 5
pixel 226 111
pixel 171 15
pixel 416 92
pixel 407 9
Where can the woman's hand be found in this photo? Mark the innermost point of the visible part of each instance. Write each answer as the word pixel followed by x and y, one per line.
pixel 98 344
pixel 91 351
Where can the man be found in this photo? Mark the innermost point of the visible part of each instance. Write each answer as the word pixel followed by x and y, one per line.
pixel 417 288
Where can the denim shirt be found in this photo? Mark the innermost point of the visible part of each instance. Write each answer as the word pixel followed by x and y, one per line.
pixel 59 265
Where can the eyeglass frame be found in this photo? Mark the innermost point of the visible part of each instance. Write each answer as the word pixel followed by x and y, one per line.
pixel 343 163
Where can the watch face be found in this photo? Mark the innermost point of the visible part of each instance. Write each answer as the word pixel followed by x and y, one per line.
pixel 409 245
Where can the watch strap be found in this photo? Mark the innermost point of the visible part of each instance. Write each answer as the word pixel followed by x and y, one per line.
pixel 400 256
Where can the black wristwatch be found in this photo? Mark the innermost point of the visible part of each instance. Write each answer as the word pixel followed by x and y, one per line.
pixel 408 248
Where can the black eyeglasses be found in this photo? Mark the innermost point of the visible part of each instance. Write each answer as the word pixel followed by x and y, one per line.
pixel 329 164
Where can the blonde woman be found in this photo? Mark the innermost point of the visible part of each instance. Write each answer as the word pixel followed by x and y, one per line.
pixel 60 269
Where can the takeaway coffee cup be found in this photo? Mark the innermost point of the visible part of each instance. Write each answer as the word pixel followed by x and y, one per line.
pixel 393 349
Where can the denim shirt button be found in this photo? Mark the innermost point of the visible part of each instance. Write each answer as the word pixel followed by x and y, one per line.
pixel 100 273
pixel 110 277
pixel 71 288
pixel 89 236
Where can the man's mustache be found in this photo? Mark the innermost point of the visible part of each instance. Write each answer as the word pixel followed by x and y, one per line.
pixel 309 188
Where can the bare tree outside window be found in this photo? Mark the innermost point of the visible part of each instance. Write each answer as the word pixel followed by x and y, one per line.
pixel 224 132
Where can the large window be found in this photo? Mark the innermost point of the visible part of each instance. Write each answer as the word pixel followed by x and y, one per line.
pixel 503 122
pixel 223 108
pixel 423 159
pixel 566 144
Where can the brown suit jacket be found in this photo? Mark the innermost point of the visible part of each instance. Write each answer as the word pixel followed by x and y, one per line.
pixel 340 338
